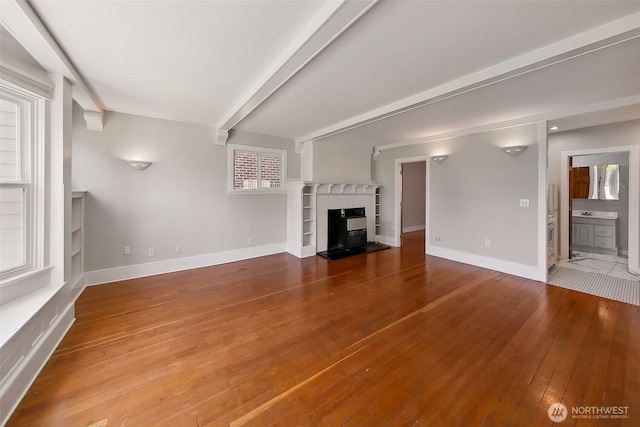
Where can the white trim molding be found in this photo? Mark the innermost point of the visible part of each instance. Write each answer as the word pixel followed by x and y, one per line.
pixel 27 28
pixel 99 277
pixel 543 161
pixel 19 78
pixel 331 21
pixel 94 120
pixel 397 203
pixel 271 152
pixel 221 137
pixel 516 269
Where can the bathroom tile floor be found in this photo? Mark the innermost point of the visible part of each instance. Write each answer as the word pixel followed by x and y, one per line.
pixel 614 266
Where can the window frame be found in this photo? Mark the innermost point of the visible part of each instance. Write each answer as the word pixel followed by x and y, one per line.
pixel 31 135
pixel 260 152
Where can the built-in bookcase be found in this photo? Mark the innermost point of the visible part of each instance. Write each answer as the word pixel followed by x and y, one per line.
pixel 301 219
pixel 77 236
pixel 377 202
pixel 308 216
pixel 307 205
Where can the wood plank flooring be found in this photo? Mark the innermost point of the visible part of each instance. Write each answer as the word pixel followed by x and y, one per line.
pixel 392 338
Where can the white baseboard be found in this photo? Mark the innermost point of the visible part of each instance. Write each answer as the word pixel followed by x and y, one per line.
pixel 387 240
pixel 516 269
pixel 29 351
pixel 413 228
pixel 117 274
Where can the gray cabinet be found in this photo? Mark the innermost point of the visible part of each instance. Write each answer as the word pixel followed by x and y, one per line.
pixel 582 235
pixel 594 235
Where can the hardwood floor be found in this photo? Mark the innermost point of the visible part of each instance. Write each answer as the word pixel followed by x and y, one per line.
pixel 389 338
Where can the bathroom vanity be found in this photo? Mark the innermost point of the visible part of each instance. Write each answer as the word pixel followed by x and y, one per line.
pixel 594 231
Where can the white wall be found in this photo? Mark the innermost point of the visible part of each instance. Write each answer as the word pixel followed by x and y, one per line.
pixel 181 199
pixel 474 196
pixel 338 162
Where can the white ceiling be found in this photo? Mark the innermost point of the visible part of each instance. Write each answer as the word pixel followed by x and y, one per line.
pixel 199 61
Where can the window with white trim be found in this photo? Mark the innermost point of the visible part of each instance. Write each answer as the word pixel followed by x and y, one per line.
pixel 21 180
pixel 256 169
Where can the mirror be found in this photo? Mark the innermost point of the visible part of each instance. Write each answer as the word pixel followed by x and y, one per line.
pixel 601 182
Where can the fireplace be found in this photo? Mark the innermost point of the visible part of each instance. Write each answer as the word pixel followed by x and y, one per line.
pixel 347 229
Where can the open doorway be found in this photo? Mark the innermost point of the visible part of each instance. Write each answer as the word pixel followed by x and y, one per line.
pixel 626 237
pixel 414 178
pixel 411 197
pixel 598 213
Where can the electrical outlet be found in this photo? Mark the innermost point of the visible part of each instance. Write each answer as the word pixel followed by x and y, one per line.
pixel 487 243
pixel 127 250
pixel 150 251
pixel 524 203
pixel 178 249
pixel 437 239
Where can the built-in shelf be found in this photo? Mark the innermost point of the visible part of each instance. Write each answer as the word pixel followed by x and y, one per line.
pixel 301 214
pixel 377 205
pixel 77 236
pixel 303 201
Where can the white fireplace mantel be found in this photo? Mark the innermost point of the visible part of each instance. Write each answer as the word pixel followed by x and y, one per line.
pixel 327 188
pixel 307 209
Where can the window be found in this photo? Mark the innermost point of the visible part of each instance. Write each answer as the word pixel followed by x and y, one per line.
pixel 21 200
pixel 255 169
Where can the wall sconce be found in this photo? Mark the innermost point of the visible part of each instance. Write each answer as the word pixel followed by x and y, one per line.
pixel 514 149
pixel 439 159
pixel 139 164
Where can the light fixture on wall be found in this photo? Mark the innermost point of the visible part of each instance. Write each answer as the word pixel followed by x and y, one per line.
pixel 139 164
pixel 440 158
pixel 514 149
pixel 554 128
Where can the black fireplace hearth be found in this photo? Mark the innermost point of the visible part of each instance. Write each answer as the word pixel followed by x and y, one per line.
pixel 347 234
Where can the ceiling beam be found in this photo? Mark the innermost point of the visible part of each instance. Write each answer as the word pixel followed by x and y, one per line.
pixel 331 21
pixel 589 41
pixel 547 117
pixel 19 18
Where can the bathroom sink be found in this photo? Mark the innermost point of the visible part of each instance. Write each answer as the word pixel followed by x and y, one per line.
pixel 595 214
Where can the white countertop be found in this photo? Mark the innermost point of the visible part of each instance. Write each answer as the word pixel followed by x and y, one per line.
pixel 595 214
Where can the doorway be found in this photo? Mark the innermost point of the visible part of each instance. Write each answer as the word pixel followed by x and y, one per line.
pixel 414 191
pixel 599 214
pixel 632 213
pixel 411 197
